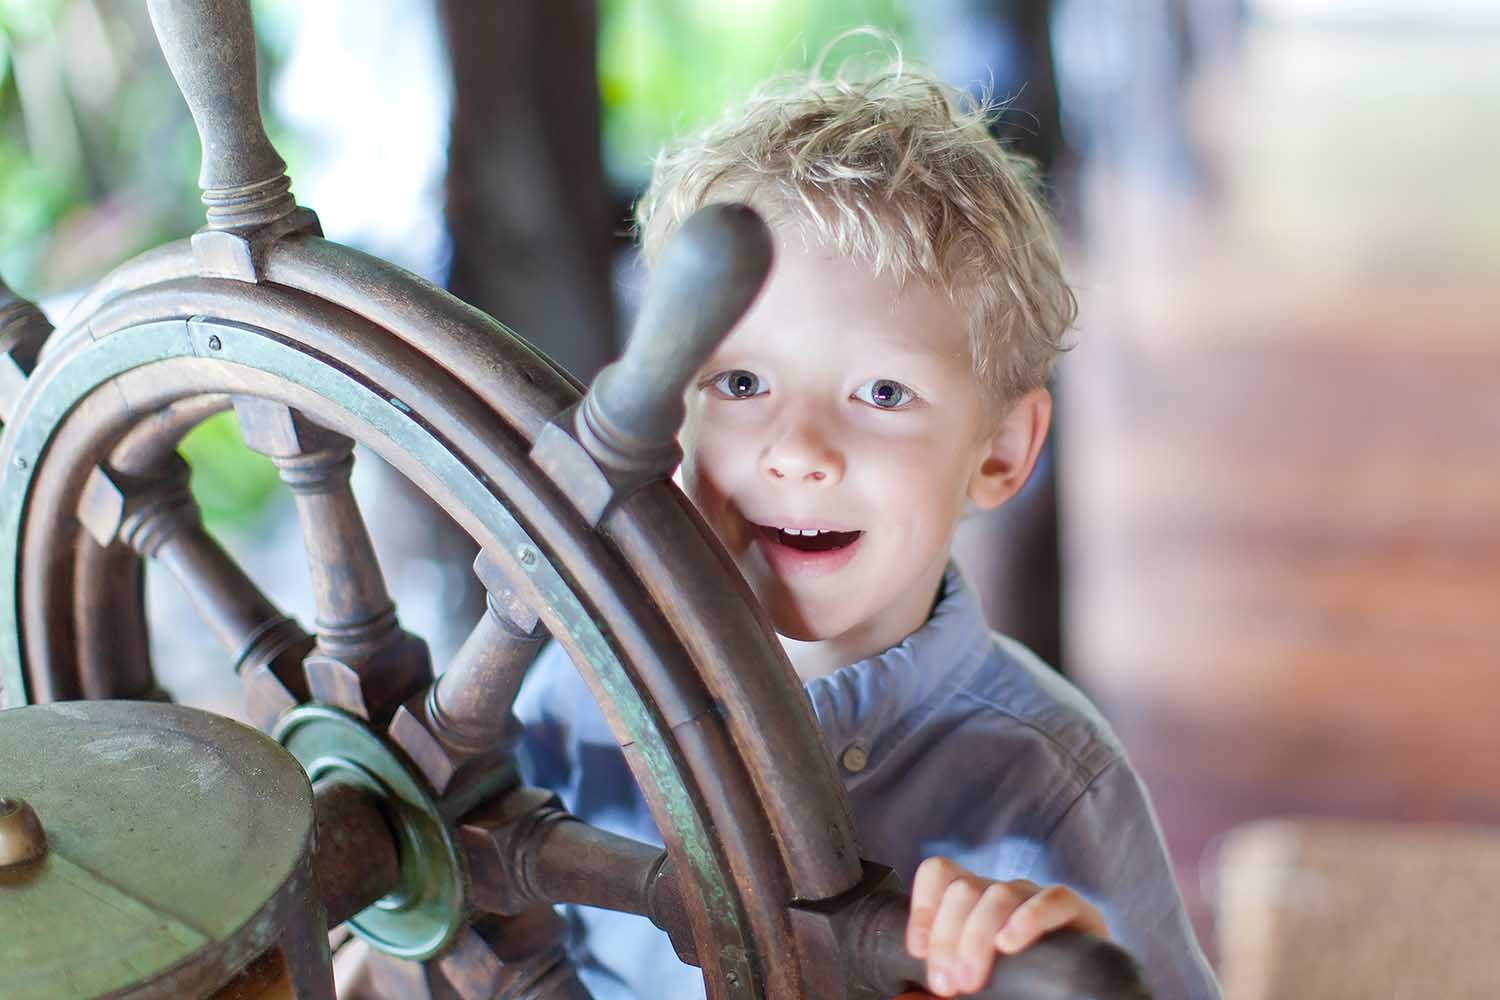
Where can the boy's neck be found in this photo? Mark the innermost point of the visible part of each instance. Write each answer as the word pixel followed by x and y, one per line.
pixel 816 659
pixel 819 658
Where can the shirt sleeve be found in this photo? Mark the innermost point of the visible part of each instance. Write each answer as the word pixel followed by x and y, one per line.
pixel 1108 847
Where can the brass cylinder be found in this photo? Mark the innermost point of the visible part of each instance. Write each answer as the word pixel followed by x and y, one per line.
pixel 22 838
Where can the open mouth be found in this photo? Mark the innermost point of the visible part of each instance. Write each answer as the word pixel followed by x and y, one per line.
pixel 813 540
pixel 808 540
pixel 801 552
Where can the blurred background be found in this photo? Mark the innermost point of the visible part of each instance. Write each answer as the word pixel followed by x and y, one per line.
pixel 1265 536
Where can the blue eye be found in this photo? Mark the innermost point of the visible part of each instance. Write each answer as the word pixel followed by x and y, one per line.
pixel 885 393
pixel 737 384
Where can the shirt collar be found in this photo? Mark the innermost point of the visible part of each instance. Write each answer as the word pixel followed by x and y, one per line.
pixel 868 706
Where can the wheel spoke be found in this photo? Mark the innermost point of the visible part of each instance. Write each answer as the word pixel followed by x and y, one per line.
pixel 364 662
pixel 523 849
pixel 114 650
pixel 465 716
pixel 519 957
pixel 471 701
pixel 156 516
pixel 109 595
pixel 358 861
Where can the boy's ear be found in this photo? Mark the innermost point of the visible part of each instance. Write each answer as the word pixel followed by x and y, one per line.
pixel 1010 452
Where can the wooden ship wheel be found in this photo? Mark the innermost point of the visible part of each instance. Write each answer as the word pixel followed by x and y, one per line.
pixel 426 842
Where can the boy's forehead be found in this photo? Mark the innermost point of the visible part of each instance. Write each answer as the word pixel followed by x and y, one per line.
pixel 826 294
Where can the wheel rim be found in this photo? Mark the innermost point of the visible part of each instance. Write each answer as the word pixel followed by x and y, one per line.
pixel 58 434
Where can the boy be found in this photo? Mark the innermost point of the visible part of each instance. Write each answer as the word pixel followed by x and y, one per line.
pixel 891 373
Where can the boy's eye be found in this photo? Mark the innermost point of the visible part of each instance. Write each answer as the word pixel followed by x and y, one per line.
pixel 885 393
pixel 738 384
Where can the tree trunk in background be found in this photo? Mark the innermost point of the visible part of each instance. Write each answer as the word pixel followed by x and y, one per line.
pixel 530 219
pixel 1012 553
pixel 1033 82
pixel 528 206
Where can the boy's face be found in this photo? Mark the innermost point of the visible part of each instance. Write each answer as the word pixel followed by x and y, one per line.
pixel 843 408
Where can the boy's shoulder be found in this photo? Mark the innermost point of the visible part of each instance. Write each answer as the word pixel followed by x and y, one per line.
pixel 1024 692
pixel 986 768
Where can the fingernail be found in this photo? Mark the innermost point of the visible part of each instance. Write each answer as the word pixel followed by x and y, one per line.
pixel 940 982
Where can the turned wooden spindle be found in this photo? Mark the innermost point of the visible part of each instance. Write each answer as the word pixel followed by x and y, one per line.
pixel 109 585
pixel 523 849
pixel 469 704
pixel 355 613
pixel 464 720
pixel 152 511
pixel 364 662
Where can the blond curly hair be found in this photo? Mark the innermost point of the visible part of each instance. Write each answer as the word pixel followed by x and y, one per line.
pixel 900 169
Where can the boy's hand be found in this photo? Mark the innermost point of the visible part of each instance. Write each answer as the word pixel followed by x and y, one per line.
pixel 959 920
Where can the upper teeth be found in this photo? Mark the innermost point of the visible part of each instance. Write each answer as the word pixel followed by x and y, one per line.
pixel 805 531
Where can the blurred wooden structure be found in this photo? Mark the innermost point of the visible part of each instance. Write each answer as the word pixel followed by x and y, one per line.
pixel 1281 478
pixel 1409 908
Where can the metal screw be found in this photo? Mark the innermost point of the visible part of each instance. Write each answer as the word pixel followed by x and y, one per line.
pixel 214 343
pixel 527 555
pixel 732 978
pixel 20 462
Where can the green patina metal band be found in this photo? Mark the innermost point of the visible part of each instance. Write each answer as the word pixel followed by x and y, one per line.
pixel 134 347
pixel 423 915
pixel 26 440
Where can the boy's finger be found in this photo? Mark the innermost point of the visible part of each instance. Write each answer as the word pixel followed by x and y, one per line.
pixel 1051 909
pixel 919 929
pixel 976 942
pixel 942 952
pixel 931 878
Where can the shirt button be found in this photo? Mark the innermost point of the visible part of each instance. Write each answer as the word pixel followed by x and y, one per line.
pixel 854 758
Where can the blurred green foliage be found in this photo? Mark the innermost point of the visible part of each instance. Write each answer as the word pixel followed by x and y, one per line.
pixel 666 66
pixel 99 161
pixel 98 156
pixel 231 483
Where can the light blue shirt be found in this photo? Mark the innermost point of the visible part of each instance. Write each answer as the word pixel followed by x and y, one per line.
pixel 966 745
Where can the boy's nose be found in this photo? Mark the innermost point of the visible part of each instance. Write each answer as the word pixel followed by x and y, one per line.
pixel 800 455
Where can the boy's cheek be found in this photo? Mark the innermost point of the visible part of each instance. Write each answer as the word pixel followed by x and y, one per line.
pixel 701 489
pixel 713 448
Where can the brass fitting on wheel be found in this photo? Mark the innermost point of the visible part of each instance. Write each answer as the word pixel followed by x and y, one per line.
pixel 22 839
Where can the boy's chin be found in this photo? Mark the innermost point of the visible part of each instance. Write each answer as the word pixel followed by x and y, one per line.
pixel 798 633
pixel 801 627
pixel 798 621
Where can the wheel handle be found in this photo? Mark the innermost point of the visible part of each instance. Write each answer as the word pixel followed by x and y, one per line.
pixel 210 48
